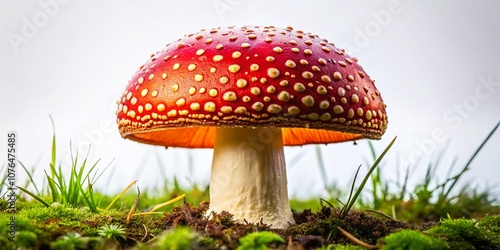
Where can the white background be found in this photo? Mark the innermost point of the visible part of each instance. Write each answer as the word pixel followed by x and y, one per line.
pixel 431 59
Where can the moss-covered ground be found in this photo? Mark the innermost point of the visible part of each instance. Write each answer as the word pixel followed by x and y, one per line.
pixel 185 226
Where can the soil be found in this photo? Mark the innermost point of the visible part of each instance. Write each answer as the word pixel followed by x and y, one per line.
pixel 312 229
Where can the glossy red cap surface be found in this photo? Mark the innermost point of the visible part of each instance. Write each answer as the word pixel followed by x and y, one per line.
pixel 250 76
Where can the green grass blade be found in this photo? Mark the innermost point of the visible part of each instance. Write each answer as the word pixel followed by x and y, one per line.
pixel 379 189
pixel 372 150
pixel 96 176
pixel 4 178
pixel 351 191
pixel 92 204
pixel 296 158
pixel 62 184
pixel 76 180
pixel 82 168
pixel 322 168
pixel 363 183
pixel 467 165
pixel 404 185
pixel 53 153
pixel 52 187
pixel 56 173
pixel 73 187
pixel 92 180
pixel 89 194
pixel 442 186
pixel 91 170
pixel 89 201
pixel 53 173
pixel 34 196
pixel 30 177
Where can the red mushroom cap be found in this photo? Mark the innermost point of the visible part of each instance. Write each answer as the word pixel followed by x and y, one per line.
pixel 250 76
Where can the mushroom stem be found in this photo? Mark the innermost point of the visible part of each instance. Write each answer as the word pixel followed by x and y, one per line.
pixel 249 176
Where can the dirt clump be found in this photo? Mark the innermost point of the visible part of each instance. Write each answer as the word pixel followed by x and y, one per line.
pixel 312 229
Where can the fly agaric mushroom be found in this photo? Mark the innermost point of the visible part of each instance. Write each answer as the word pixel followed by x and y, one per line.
pixel 247 91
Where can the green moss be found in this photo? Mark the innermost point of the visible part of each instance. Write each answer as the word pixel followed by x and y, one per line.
pixel 61 218
pixel 259 240
pixel 70 241
pixel 4 205
pixel 62 212
pixel 412 240
pixel 341 247
pixel 179 238
pixel 55 225
pixel 18 225
pixel 491 223
pixel 21 223
pixel 80 219
pixel 26 239
pixel 62 245
pixel 142 246
pixel 301 205
pixel 348 247
pixel 18 230
pixel 207 242
pixel 465 234
pixel 7 244
pixel 95 243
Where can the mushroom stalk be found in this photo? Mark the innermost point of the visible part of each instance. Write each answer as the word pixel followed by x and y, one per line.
pixel 249 176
